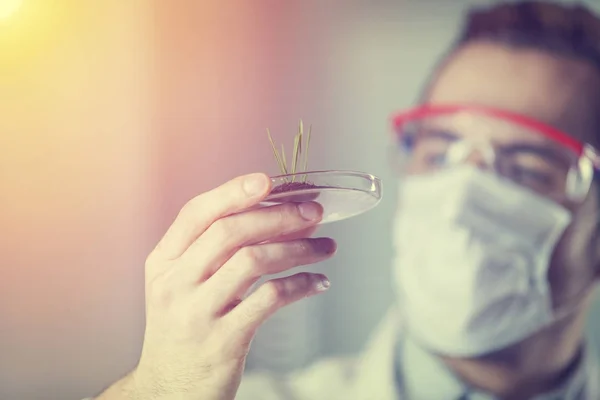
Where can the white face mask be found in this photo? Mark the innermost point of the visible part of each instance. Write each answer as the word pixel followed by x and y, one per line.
pixel 472 257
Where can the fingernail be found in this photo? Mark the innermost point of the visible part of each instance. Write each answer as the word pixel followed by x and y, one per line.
pixel 255 184
pixel 323 285
pixel 324 246
pixel 309 211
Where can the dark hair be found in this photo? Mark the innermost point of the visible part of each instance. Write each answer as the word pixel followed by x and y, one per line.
pixel 566 30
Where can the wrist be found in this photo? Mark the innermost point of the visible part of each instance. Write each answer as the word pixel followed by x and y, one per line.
pixel 125 389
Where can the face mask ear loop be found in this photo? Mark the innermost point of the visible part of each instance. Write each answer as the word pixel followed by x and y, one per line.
pixel 589 165
pixel 596 178
pixel 580 183
pixel 590 154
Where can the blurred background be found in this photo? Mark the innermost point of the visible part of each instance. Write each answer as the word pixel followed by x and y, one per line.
pixel 114 113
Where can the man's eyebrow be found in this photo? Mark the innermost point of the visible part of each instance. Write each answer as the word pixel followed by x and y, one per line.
pixel 437 133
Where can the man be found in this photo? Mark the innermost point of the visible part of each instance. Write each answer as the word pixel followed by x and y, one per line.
pixel 496 239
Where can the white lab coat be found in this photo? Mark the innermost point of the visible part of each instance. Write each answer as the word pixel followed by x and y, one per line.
pixel 372 376
pixel 368 377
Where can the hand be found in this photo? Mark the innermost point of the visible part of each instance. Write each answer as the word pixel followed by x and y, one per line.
pixel 198 324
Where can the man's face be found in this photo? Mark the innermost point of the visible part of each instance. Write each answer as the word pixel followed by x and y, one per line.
pixel 554 90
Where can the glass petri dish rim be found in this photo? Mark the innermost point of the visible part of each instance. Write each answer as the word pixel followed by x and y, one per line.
pixel 352 180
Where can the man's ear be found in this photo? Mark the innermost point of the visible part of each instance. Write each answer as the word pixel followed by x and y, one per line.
pixel 594 245
pixel 585 231
pixel 597 260
pixel 596 252
pixel 591 210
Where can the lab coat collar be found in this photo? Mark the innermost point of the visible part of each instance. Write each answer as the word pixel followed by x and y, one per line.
pixel 376 378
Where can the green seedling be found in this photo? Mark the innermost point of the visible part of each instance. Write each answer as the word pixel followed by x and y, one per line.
pixel 296 180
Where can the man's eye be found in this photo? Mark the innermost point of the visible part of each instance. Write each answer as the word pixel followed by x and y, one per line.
pixel 434 159
pixel 535 179
pixel 432 151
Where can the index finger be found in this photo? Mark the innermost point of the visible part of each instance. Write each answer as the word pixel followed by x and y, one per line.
pixel 202 211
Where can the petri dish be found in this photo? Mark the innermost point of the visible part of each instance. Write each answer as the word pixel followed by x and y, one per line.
pixel 342 194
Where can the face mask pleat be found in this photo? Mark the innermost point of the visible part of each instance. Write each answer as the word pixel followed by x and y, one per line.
pixel 472 254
